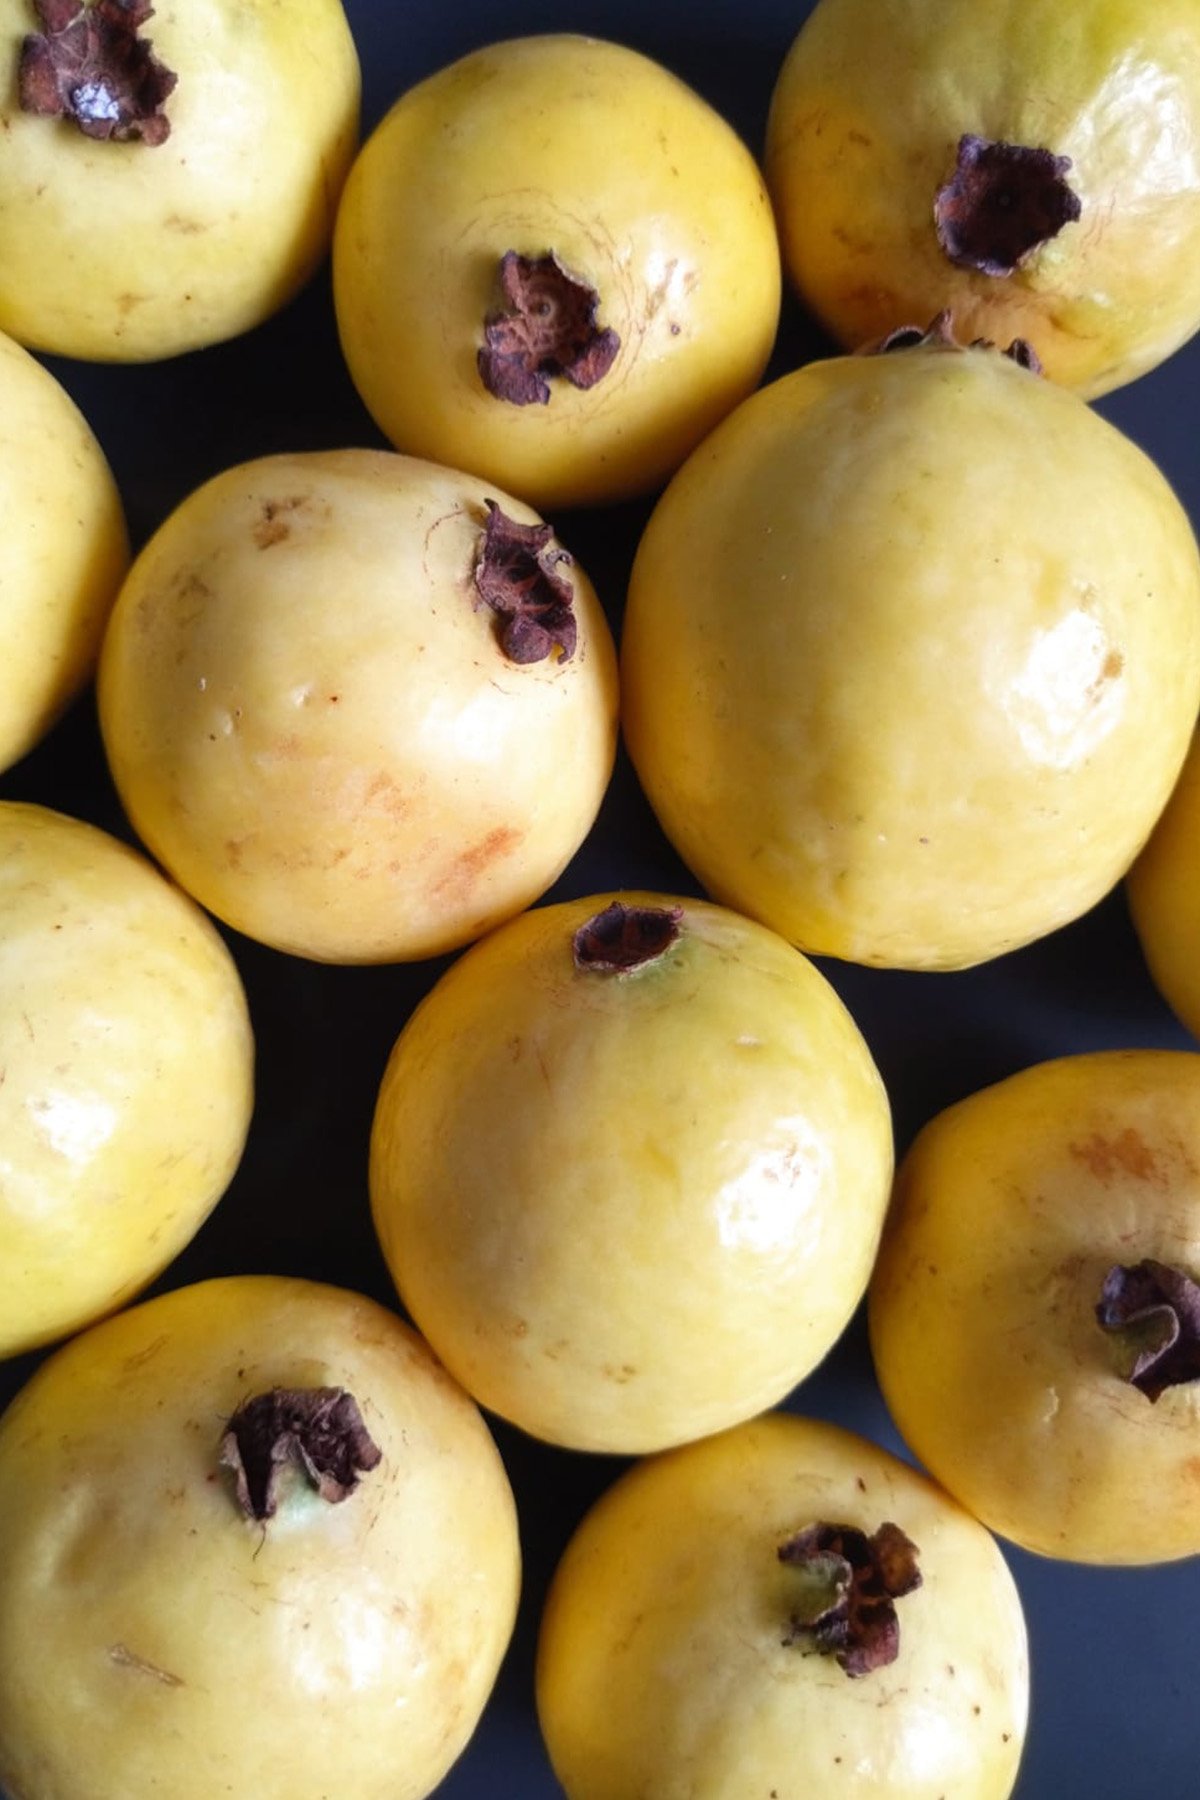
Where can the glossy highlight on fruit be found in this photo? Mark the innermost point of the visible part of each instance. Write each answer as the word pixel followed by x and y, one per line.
pixel 911 655
pixel 1035 1314
pixel 557 266
pixel 361 706
pixel 128 1066
pixel 160 1632
pixel 629 1164
pixel 1032 165
pixel 673 1660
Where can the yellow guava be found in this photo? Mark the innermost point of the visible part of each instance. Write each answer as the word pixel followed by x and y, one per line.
pixel 911 655
pixel 784 1609
pixel 253 1540
pixel 169 174
pixel 1035 1313
pixel 361 706
pixel 63 552
pixel 557 266
pixel 1032 165
pixel 1163 890
pixel 628 1169
pixel 128 1065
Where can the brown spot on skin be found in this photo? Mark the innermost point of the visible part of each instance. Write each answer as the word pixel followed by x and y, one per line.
pixel 272 527
pixel 466 869
pixel 1127 1153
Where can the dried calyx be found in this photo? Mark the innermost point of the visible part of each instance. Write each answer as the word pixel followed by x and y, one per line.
pixel 89 64
pixel 546 327
pixel 940 330
pixel 846 1590
pixel 1160 1309
pixel 518 573
pixel 621 938
pixel 1002 202
pixel 319 1431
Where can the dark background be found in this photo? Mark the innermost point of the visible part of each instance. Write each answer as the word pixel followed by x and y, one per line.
pixel 1115 1713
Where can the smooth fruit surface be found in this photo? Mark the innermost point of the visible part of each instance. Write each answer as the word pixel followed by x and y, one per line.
pixel 1164 897
pixel 630 1207
pixel 665 1666
pixel 866 121
pixel 63 552
pixel 565 146
pixel 156 1639
pixel 911 656
pixel 131 251
pixel 313 722
pixel 127 1061
pixel 1011 1209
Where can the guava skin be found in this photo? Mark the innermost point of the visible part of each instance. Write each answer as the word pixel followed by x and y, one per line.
pixel 155 1640
pixel 1163 890
pixel 313 723
pixel 63 555
pixel 911 656
pixel 1011 1209
pixel 866 117
pixel 128 1063
pixel 627 1209
pixel 565 145
pixel 129 252
pixel 662 1664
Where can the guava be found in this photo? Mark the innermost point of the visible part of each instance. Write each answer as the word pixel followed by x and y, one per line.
pixel 911 655
pixel 253 1540
pixel 361 706
pixel 784 1609
pixel 63 553
pixel 557 266
pixel 169 175
pixel 126 1073
pixel 1031 166
pixel 1035 1310
pixel 1163 891
pixel 628 1168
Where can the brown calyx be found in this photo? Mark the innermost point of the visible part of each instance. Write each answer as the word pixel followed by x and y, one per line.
pixel 317 1430
pixel 517 574
pixel 621 938
pixel 89 64
pixel 1002 202
pixel 547 326
pixel 1160 1307
pixel 850 1584
pixel 940 330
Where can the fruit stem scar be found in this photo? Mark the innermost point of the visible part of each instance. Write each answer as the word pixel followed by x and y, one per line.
pixel 518 573
pixel 318 1430
pixel 1001 204
pixel 89 64
pixel 621 938
pixel 846 1589
pixel 1159 1307
pixel 546 326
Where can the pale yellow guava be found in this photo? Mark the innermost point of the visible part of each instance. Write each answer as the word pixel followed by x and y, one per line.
pixel 1163 890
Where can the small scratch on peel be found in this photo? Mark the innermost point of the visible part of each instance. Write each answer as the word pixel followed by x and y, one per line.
pixel 125 1658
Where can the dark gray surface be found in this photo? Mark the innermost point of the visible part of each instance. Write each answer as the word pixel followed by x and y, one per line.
pixel 1115 1712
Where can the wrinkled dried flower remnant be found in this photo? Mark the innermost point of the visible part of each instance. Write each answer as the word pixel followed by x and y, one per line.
pixel 1162 1305
pixel 318 1430
pixel 621 937
pixel 547 326
pixel 1002 202
pixel 850 1585
pixel 89 64
pixel 517 574
pixel 941 331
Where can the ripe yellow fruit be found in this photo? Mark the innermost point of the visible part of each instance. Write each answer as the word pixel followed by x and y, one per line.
pixel 1031 165
pixel 190 202
pixel 1045 1237
pixel 362 707
pixel 128 1066
pixel 63 552
pixel 1163 890
pixel 555 265
pixel 180 1616
pixel 628 1169
pixel 680 1646
pixel 912 656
